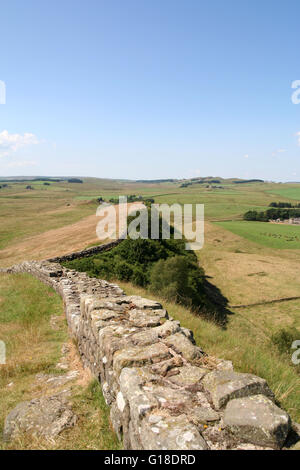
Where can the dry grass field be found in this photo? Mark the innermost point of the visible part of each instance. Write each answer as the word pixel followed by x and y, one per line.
pixel 247 272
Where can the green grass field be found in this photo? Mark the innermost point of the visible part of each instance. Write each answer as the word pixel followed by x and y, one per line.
pixel 276 236
pixel 289 192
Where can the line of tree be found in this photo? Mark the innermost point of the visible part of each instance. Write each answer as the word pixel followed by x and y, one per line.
pixel 130 198
pixel 248 181
pixel 75 180
pixel 53 180
pixel 284 205
pixel 156 181
pixel 272 214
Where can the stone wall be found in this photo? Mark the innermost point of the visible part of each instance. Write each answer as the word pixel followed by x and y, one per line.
pixel 165 393
pixel 88 252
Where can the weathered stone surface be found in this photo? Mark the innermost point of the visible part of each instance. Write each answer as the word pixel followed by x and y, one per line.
pixel 54 381
pixel 133 403
pixel 258 420
pixel 107 393
pixel 144 318
pixel 188 375
pixel 132 378
pixel 139 356
pixel 132 441
pixel 170 433
pixel 90 303
pixel 200 415
pixel 189 334
pixel 182 345
pixel 247 446
pixel 116 419
pixel 226 385
pixel 218 438
pixel 45 417
pixel 153 335
pixel 105 314
pixel 140 302
pixel 174 400
pixel 201 400
pixel 167 367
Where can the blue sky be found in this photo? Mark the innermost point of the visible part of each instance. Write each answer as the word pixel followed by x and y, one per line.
pixel 150 89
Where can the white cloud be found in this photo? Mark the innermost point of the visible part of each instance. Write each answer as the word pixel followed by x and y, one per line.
pixel 21 163
pixel 246 155
pixel 274 154
pixel 10 143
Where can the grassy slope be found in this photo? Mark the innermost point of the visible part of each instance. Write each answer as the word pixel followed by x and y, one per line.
pixel 24 214
pixel 34 347
pixel 291 192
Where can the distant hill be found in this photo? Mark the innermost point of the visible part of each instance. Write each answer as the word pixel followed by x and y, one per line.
pixel 25 179
pixel 186 181
pixel 203 180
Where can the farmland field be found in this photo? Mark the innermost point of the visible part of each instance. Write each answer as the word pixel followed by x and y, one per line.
pixel 278 236
pixel 291 193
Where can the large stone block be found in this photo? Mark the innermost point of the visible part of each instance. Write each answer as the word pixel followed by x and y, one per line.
pixel 140 356
pixel 46 417
pixel 153 335
pixel 226 385
pixel 159 432
pixel 140 302
pixel 257 420
pixel 182 345
pixel 132 392
pixel 176 401
pixel 146 318
pixel 188 376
